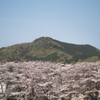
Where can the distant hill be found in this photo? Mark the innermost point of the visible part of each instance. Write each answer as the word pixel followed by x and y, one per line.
pixel 48 49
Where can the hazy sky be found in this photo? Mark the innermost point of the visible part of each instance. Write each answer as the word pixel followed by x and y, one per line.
pixel 71 21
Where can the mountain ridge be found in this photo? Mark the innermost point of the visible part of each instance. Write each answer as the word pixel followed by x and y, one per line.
pixel 48 49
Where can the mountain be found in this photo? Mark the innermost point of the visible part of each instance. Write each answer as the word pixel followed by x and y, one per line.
pixel 48 49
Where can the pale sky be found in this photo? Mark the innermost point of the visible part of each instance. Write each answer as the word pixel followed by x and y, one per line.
pixel 70 21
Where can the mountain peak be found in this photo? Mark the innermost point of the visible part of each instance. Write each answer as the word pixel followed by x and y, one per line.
pixel 41 38
pixel 48 49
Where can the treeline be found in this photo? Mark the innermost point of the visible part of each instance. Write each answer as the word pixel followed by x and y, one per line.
pixel 83 57
pixel 54 57
pixel 51 57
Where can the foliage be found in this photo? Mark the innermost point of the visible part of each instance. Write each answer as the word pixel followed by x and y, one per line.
pixel 93 58
pixel 51 79
pixel 18 89
pixel 17 77
pixel 42 98
pixel 48 49
pixel 51 57
pixel 54 99
pixel 11 98
pixel 10 69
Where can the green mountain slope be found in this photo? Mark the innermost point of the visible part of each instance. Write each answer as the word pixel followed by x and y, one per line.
pixel 48 49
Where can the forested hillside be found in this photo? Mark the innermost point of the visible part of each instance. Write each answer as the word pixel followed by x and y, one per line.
pixel 48 49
